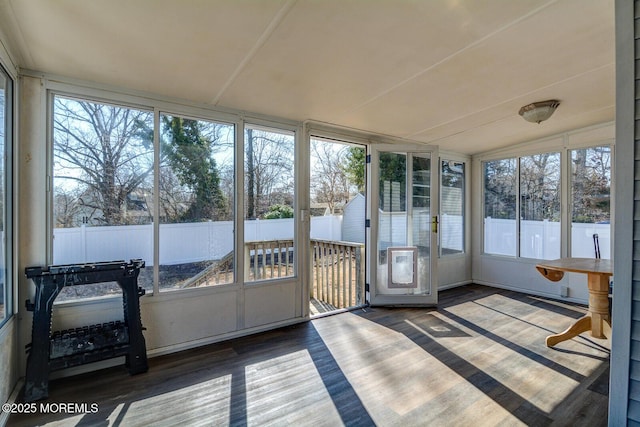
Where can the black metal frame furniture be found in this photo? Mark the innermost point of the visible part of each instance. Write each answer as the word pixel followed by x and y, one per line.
pixel 64 349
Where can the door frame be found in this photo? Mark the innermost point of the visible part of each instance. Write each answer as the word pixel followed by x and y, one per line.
pixel 373 199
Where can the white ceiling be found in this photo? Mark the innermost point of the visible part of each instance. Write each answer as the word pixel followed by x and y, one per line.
pixel 449 72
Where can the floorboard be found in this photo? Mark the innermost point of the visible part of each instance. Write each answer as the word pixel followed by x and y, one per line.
pixel 478 359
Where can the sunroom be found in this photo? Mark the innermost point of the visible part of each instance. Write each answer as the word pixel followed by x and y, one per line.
pixel 333 164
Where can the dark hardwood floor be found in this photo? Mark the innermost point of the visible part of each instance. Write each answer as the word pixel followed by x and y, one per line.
pixel 480 359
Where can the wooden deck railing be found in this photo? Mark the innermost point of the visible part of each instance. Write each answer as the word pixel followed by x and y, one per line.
pixel 268 259
pixel 338 273
pixel 218 273
pixel 338 269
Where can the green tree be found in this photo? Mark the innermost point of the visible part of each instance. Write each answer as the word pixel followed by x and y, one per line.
pixel 355 166
pixel 392 169
pixel 189 154
pixel 278 211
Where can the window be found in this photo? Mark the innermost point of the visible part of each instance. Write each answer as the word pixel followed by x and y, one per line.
pixel 591 202
pixel 535 182
pixel 196 203
pixel 269 203
pixel 452 208
pixel 105 201
pixel 538 231
pixel 500 196
pixel 6 142
pixel 103 168
pixel 540 206
pixel 118 194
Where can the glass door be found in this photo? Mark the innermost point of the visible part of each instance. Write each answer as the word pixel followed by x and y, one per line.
pixel 404 224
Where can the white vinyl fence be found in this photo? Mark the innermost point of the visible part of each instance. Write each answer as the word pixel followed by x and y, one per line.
pixel 541 239
pixel 179 243
pixel 203 241
pixel 452 232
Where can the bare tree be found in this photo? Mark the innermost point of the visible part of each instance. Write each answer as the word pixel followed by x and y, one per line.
pixel 329 178
pixel 68 209
pixel 537 182
pixel 228 185
pixel 269 170
pixel 540 187
pixel 591 184
pixel 500 188
pixel 172 196
pixel 105 152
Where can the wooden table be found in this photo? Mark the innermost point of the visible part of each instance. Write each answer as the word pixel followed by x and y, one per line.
pixel 598 272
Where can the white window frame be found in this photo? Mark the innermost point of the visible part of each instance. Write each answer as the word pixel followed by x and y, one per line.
pixel 10 123
pixel 565 190
pixel 465 201
pixel 70 89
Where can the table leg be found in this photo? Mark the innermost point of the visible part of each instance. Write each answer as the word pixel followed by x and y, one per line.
pixel 599 304
pixel 582 325
pixel 597 319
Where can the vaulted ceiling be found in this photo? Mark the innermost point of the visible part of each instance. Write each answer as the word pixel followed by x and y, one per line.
pixel 448 72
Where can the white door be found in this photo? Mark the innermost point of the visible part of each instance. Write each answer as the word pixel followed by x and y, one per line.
pixel 403 212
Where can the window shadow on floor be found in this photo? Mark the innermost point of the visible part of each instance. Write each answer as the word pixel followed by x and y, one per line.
pixel 119 395
pixel 414 324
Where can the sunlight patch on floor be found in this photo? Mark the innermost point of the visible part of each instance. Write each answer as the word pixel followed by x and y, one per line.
pixel 285 384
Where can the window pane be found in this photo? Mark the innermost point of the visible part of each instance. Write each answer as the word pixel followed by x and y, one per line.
pixel 337 191
pixel 196 199
pixel 591 202
pixel 392 204
pixel 500 190
pixel 5 248
pixel 392 211
pixel 452 208
pixel 540 206
pixel 102 188
pixel 269 203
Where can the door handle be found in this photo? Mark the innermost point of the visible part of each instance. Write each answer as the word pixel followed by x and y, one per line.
pixel 434 224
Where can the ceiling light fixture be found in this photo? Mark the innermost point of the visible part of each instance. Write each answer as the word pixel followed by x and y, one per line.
pixel 539 111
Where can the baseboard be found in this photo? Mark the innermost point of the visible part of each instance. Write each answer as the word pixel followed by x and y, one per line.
pixel 531 292
pixel 174 348
pixel 454 285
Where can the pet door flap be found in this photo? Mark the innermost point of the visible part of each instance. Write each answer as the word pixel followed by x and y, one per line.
pixel 402 263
